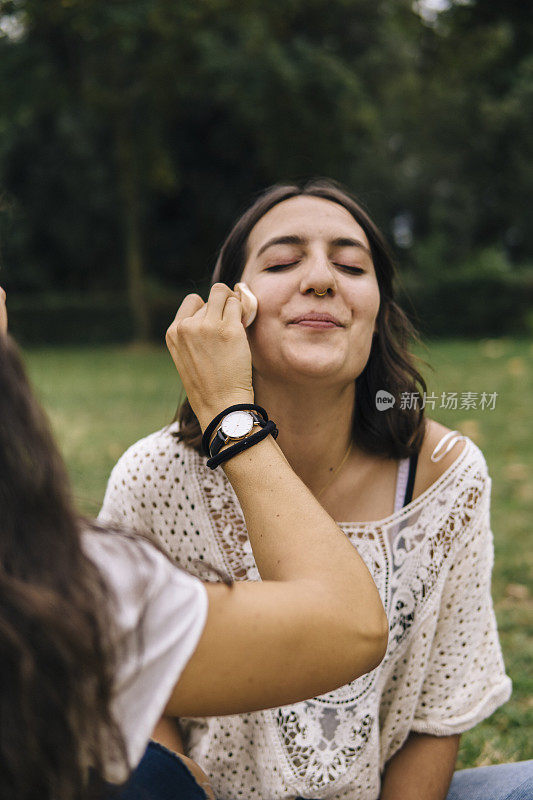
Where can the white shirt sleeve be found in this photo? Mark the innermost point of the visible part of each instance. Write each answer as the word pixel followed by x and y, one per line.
pixel 159 614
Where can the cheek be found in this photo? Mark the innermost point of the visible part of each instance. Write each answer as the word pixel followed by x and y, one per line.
pixel 365 303
pixel 263 334
pixel 271 296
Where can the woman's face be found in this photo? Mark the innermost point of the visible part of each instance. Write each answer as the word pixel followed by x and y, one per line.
pixel 304 246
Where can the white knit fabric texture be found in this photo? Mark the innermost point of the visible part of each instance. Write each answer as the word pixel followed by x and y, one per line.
pixel 432 563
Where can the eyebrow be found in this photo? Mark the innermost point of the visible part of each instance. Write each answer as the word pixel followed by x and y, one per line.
pixel 299 240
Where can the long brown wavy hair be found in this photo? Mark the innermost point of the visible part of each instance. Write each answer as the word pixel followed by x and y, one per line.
pixel 56 661
pixel 397 432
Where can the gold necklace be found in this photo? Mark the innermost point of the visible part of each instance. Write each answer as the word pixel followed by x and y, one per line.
pixel 335 471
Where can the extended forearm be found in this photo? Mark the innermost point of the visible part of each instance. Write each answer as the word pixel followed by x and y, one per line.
pixel 290 532
pixel 292 536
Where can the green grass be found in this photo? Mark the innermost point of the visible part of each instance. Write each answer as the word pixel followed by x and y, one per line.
pixel 101 401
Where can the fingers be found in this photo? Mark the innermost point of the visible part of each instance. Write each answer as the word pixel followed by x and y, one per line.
pixel 210 350
pixel 3 312
pixel 233 311
pixel 212 311
pixel 190 305
pixel 193 309
pixel 218 297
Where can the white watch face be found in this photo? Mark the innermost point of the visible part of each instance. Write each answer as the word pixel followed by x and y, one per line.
pixel 237 424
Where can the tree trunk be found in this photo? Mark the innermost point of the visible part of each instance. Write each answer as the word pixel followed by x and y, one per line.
pixel 128 179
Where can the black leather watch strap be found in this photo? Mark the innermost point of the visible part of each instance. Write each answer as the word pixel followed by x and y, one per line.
pixel 244 444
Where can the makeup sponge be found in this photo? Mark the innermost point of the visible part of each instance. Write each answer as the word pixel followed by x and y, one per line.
pixel 249 302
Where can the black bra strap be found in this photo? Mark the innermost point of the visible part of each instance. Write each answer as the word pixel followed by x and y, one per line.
pixel 413 461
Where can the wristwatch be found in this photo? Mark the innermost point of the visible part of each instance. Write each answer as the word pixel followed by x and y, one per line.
pixel 234 427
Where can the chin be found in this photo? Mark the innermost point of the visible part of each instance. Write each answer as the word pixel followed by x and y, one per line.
pixel 303 364
pixel 313 366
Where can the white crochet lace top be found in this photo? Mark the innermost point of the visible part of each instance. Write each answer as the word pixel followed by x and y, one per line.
pixel 431 561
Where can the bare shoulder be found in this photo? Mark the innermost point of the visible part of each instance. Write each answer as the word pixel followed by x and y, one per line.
pixel 429 471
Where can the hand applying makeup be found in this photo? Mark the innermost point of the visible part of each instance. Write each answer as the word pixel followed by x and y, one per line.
pixel 209 346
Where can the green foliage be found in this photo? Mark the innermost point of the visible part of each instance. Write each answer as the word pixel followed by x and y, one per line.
pixel 482 297
pixel 60 319
pixel 88 319
pixel 132 132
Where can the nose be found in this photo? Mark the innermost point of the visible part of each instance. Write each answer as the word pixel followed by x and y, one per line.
pixel 318 276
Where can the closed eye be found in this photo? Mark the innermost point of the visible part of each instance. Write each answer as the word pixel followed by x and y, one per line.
pixel 355 270
pixel 280 266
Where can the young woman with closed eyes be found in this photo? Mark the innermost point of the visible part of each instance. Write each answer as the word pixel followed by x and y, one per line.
pixel 412 496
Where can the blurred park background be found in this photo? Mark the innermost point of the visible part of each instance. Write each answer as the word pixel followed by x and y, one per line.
pixel 132 133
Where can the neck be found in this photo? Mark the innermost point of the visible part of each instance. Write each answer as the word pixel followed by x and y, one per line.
pixel 315 428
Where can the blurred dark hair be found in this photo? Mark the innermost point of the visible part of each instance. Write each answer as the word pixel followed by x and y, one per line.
pixel 56 662
pixel 397 432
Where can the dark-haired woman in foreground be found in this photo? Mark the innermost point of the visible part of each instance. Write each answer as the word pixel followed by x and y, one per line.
pixel 100 633
pixel 328 343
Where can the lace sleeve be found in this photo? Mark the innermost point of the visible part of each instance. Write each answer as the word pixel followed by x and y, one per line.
pixel 465 679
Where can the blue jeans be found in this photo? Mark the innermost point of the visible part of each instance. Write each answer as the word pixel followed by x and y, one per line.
pixel 499 782
pixel 161 775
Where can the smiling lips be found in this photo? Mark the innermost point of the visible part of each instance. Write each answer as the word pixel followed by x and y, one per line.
pixel 314 319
